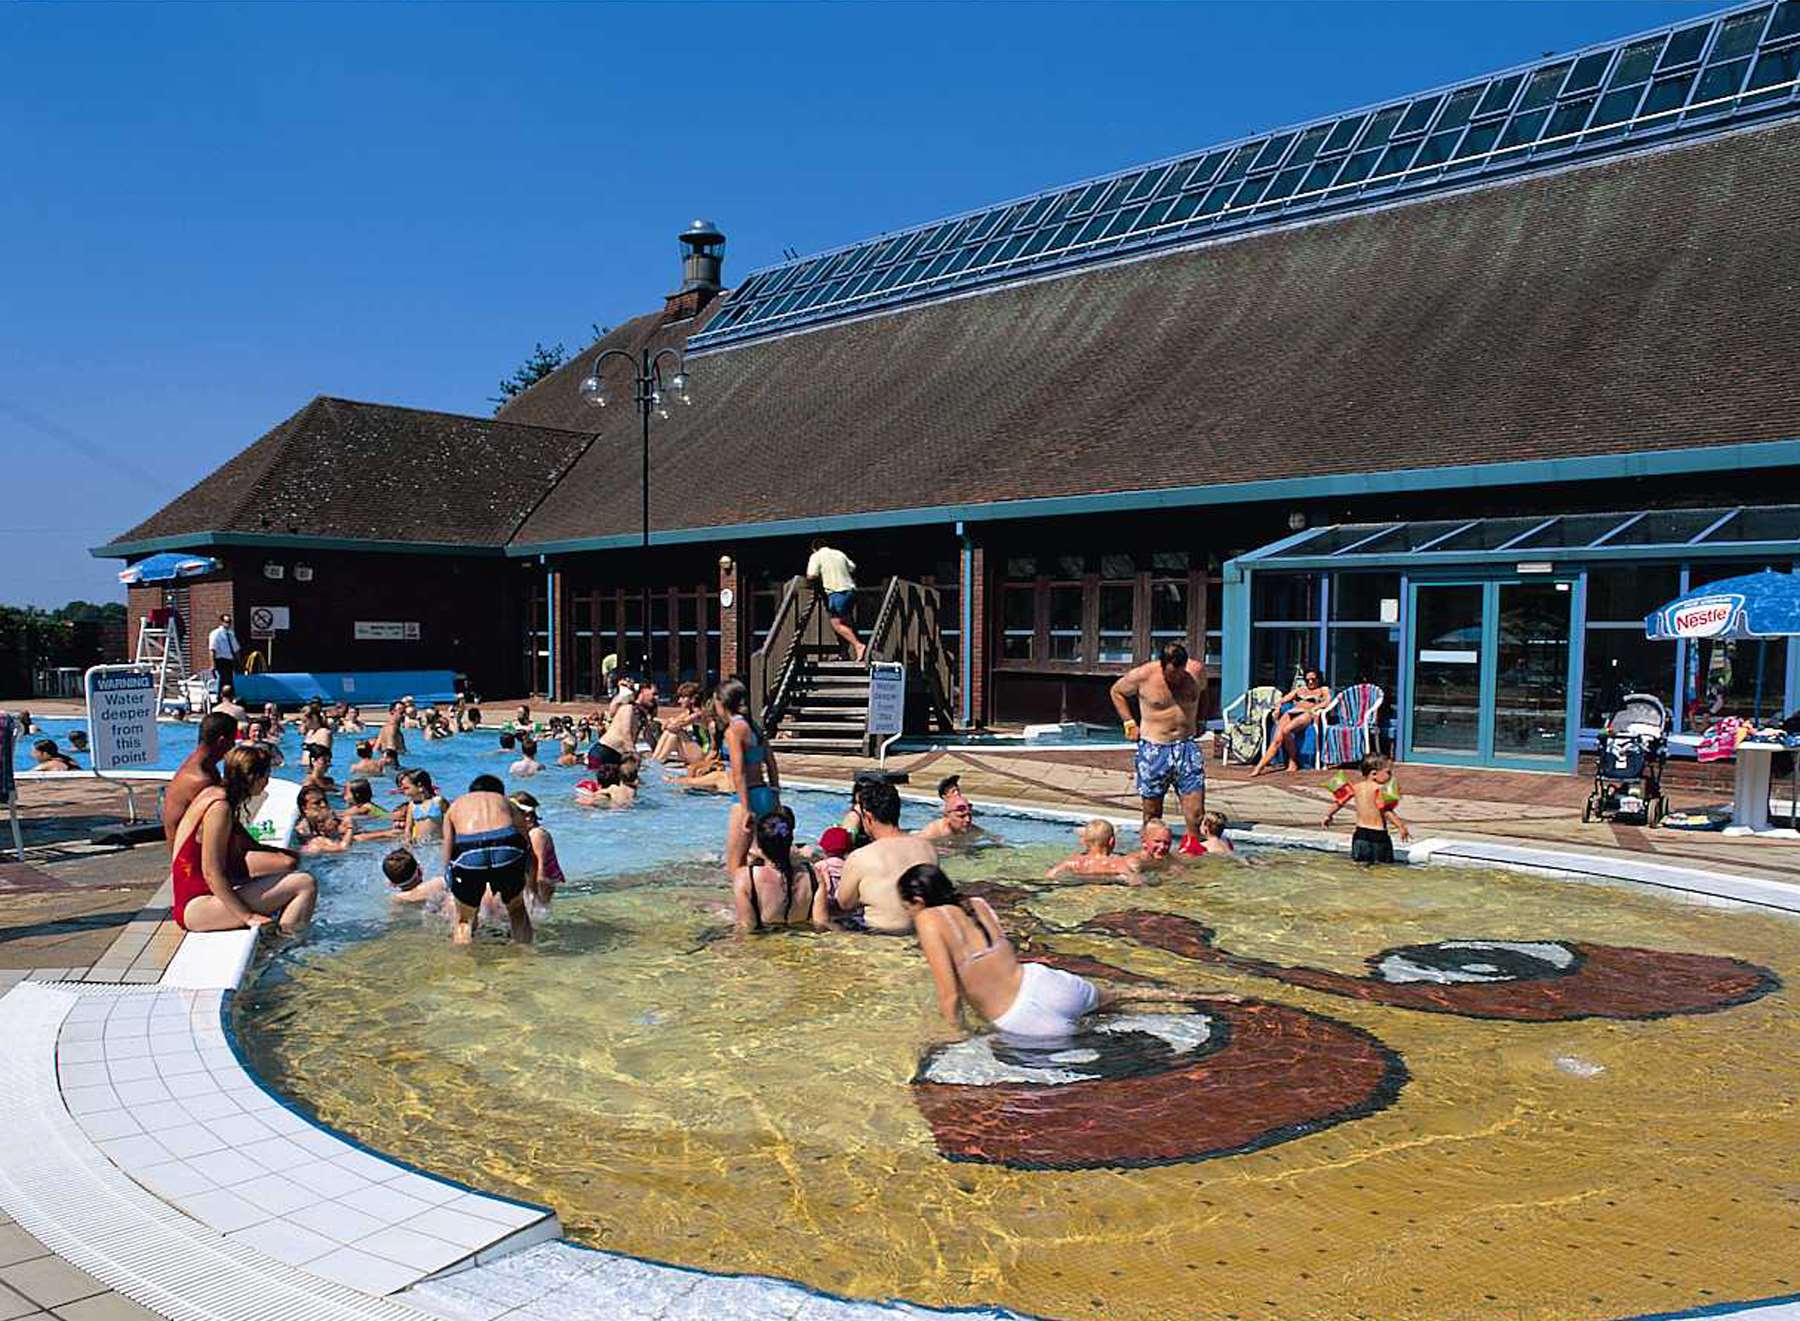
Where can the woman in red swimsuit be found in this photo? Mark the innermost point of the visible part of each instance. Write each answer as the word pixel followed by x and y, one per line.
pixel 211 895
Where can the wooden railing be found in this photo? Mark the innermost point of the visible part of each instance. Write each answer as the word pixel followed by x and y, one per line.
pixel 801 624
pixel 906 630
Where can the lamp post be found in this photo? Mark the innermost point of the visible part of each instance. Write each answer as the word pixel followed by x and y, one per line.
pixel 651 393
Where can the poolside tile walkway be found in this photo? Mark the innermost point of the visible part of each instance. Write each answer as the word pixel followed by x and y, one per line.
pixel 236 1159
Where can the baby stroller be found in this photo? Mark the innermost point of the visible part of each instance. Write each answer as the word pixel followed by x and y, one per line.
pixel 1629 761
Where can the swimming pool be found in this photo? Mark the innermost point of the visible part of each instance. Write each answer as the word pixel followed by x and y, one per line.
pixel 1451 1092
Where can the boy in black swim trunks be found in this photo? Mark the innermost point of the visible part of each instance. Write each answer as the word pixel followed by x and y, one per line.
pixel 1371 843
pixel 487 846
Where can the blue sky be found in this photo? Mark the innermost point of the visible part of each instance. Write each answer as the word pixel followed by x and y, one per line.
pixel 209 214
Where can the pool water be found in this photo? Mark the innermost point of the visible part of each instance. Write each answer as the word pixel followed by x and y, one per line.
pixel 1449 1093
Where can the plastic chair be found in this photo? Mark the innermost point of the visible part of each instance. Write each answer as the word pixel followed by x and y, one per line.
pixel 1245 738
pixel 1351 736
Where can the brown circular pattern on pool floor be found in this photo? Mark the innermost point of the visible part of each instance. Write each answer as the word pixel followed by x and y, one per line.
pixel 1540 981
pixel 1153 1088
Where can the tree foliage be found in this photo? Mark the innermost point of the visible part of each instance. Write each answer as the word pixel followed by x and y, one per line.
pixel 539 364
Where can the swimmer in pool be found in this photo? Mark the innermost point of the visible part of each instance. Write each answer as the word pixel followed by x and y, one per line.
pixel 775 888
pixel 754 775
pixel 867 891
pixel 406 880
pixel 972 961
pixel 50 758
pixel 323 830
pixel 571 752
pixel 486 850
pixel 366 762
pixel 1212 835
pixel 957 823
pixel 543 845
pixel 527 765
pixel 1371 843
pixel 422 817
pixel 1156 842
pixel 1097 857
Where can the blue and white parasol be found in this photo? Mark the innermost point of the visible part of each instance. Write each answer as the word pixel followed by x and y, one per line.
pixel 1757 605
pixel 166 567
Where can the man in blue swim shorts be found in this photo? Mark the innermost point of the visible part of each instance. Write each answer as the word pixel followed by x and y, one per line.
pixel 1168 701
pixel 833 571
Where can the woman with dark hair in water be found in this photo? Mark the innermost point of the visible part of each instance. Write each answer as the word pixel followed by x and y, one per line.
pixel 778 889
pixel 971 959
pixel 213 894
pixel 755 779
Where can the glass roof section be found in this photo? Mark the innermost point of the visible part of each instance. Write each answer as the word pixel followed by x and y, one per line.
pixel 1662 532
pixel 1689 78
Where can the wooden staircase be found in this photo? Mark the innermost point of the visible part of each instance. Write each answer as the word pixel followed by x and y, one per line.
pixel 811 700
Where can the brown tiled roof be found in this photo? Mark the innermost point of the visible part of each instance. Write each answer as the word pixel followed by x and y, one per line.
pixel 1644 303
pixel 377 472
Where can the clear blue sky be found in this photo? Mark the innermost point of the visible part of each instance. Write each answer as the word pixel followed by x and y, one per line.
pixel 210 214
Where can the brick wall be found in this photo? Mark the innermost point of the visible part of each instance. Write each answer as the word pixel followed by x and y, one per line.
pixel 977 634
pixel 208 598
pixel 732 659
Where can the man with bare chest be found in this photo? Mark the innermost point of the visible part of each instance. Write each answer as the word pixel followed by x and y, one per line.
pixel 1168 701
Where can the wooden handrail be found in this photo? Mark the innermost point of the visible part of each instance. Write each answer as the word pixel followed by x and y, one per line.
pixel 799 623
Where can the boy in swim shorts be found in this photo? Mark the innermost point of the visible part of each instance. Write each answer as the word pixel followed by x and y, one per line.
pixel 1375 801
pixel 406 881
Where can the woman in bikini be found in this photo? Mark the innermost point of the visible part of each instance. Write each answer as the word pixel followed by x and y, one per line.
pixel 755 779
pixel 1299 706
pixel 971 959
pixel 777 889
pixel 210 893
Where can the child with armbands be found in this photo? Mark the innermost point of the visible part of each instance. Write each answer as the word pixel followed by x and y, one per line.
pixel 1376 796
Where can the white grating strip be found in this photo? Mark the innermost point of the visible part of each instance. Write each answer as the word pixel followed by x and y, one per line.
pixel 66 1193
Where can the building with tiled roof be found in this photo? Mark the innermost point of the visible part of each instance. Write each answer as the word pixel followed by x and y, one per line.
pixel 1568 287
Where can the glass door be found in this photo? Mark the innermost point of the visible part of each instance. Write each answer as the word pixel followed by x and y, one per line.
pixel 1490 667
pixel 1446 688
pixel 1531 674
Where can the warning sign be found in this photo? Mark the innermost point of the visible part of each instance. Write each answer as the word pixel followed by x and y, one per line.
pixel 268 620
pixel 121 702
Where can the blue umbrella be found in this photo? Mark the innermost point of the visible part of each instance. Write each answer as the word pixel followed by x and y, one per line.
pixel 166 567
pixel 1757 605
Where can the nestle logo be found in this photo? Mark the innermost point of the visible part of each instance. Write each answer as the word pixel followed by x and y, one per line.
pixel 1707 616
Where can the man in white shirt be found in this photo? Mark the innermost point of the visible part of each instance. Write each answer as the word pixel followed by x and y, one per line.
pixel 223 644
pixel 833 570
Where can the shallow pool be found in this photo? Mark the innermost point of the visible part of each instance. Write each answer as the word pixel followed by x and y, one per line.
pixel 1449 1093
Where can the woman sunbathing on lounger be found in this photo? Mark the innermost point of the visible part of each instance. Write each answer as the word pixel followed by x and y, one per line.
pixel 1299 707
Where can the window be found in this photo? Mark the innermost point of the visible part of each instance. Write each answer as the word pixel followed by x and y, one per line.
pixel 1363 642
pixel 1618 658
pixel 1066 601
pixel 1118 611
pixel 1018 622
pixel 1283 597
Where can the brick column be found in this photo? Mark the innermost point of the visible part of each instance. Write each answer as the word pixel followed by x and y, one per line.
pixel 732 658
pixel 975 631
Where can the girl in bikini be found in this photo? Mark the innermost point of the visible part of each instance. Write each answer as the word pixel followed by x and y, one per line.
pixel 777 889
pixel 755 779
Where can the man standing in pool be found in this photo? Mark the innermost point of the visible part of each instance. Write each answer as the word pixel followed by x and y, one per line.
pixel 1167 752
pixel 487 846
pixel 391 742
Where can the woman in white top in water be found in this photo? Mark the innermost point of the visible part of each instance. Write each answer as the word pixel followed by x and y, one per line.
pixel 971 959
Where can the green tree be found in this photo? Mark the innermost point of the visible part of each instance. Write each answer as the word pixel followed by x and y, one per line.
pixel 535 368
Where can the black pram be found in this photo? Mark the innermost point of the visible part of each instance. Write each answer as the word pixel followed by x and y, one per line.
pixel 1628 763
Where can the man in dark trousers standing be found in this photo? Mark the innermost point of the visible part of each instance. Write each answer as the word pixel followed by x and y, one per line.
pixel 223 644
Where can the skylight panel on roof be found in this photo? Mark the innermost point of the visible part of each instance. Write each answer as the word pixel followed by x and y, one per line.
pixel 1643 88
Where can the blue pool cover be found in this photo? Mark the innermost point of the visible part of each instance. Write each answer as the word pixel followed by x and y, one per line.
pixel 357 687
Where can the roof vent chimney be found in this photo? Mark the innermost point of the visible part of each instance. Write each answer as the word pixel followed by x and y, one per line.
pixel 702 261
